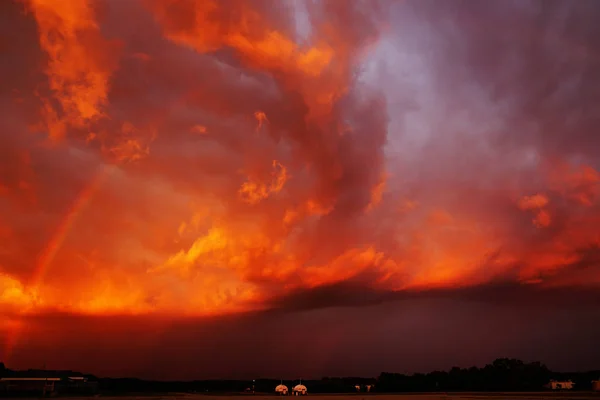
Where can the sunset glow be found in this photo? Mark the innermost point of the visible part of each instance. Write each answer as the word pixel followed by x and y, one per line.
pixel 205 158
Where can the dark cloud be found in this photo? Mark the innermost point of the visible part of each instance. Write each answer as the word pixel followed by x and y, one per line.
pixel 536 61
pixel 416 335
pixel 504 293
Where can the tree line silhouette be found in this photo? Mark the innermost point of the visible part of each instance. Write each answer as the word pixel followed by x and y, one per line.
pixel 502 375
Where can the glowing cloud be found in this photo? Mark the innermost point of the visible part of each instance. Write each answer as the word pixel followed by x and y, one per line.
pixel 79 66
pixel 212 157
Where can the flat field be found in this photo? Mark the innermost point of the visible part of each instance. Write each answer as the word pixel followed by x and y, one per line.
pixel 406 396
pixel 365 396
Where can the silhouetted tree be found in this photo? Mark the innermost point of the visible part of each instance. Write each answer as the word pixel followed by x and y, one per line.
pixel 503 374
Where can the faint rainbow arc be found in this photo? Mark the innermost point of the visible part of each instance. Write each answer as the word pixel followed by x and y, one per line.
pixel 54 245
pixel 64 227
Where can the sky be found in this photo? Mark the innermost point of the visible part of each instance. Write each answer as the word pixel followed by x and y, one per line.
pixel 232 189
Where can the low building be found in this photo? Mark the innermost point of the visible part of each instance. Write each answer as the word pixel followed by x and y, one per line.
pixel 299 390
pixel 29 385
pixel 77 385
pixel 46 386
pixel 363 388
pixel 560 385
pixel 281 390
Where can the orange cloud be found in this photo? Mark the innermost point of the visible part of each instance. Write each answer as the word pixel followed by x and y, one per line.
pixel 533 202
pixel 579 183
pixel 252 191
pixel 537 203
pixel 377 192
pixel 261 118
pixel 200 129
pixel 246 32
pixel 333 189
pixel 132 144
pixel 80 63
pixel 15 295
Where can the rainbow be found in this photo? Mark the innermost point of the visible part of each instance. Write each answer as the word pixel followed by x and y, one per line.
pixel 65 226
pixel 54 245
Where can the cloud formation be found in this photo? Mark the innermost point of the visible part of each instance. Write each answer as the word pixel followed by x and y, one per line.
pixel 216 157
